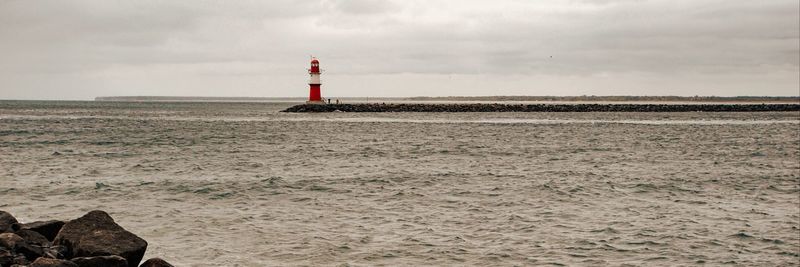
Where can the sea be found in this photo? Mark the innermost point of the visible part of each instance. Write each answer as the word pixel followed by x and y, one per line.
pixel 244 184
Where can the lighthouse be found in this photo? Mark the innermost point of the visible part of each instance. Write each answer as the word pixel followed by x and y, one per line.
pixel 314 84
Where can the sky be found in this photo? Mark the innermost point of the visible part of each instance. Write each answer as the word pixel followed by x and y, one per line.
pixel 394 48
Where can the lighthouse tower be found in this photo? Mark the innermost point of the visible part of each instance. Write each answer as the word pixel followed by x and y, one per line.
pixel 315 96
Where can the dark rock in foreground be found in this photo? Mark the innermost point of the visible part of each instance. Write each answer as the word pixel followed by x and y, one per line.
pixel 543 108
pixel 100 261
pixel 10 245
pixel 10 240
pixel 48 262
pixel 6 258
pixel 93 240
pixel 8 223
pixel 156 262
pixel 49 229
pixel 34 244
pixel 96 234
pixel 18 246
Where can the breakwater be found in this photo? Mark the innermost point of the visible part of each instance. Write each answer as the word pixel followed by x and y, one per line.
pixel 365 107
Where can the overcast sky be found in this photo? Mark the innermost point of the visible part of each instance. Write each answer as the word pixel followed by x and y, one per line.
pixel 83 49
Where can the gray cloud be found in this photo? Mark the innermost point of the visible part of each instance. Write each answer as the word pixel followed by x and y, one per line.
pixel 362 7
pixel 192 47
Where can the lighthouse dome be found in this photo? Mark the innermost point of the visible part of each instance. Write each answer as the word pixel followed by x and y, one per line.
pixel 314 60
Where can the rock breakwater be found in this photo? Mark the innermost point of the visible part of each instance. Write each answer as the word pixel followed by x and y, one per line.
pixel 543 108
pixel 93 240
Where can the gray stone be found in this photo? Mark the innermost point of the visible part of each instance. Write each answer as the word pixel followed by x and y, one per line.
pixel 19 247
pixel 100 261
pixel 33 245
pixel 9 241
pixel 20 260
pixel 6 257
pixel 48 262
pixel 156 262
pixel 96 234
pixel 49 229
pixel 8 224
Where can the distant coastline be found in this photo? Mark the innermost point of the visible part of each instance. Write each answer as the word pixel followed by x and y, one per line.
pixel 196 99
pixel 724 99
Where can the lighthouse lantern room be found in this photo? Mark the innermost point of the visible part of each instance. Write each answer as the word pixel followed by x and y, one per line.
pixel 315 96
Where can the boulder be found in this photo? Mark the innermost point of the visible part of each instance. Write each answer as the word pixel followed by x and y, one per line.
pixel 20 261
pixel 33 238
pixel 156 262
pixel 96 234
pixel 19 247
pixel 9 241
pixel 6 257
pixel 48 262
pixel 34 244
pixel 49 229
pixel 100 261
pixel 8 223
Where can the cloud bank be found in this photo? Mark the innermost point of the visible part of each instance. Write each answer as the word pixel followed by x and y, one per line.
pixel 83 49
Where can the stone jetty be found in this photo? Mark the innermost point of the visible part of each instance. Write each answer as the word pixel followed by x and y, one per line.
pixel 376 107
pixel 93 240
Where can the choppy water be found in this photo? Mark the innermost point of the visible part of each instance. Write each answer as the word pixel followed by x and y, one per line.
pixel 240 184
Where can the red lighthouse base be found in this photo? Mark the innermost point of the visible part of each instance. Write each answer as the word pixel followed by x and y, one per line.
pixel 315 96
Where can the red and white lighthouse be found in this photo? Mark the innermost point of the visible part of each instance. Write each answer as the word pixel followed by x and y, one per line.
pixel 315 96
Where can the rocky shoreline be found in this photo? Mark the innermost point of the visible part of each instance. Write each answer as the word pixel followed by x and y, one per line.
pixel 93 240
pixel 365 107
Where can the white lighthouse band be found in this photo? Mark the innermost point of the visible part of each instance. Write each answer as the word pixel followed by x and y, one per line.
pixel 315 79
